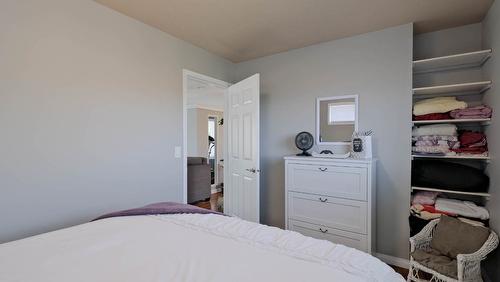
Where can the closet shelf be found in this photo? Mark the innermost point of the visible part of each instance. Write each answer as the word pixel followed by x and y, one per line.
pixel 450 191
pixel 468 88
pixel 487 159
pixel 457 61
pixel 481 121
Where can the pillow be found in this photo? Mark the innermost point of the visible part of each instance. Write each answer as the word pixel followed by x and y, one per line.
pixel 452 237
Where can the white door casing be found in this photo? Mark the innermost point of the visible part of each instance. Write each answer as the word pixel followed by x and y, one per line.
pixel 242 168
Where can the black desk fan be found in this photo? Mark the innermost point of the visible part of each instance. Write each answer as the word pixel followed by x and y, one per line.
pixel 304 141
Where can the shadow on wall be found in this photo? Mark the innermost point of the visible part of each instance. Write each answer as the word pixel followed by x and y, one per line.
pixel 272 191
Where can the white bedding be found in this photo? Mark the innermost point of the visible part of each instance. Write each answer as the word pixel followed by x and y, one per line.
pixel 183 247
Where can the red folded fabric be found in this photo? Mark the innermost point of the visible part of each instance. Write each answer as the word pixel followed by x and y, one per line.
pixel 434 116
pixel 432 209
pixel 471 150
pixel 467 138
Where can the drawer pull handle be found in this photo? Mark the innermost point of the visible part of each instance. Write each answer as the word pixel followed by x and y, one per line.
pixel 323 168
pixel 323 230
pixel 323 200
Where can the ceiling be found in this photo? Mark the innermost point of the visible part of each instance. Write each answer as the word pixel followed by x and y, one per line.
pixel 202 94
pixel 241 30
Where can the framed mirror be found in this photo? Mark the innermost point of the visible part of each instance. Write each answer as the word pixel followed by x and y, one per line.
pixel 336 119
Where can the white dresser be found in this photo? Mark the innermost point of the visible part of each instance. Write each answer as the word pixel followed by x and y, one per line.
pixel 332 199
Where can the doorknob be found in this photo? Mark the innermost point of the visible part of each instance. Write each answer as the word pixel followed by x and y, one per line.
pixel 253 170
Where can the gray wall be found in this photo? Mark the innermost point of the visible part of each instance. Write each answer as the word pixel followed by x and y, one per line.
pixel 90 112
pixel 448 41
pixel 377 67
pixel 445 42
pixel 491 39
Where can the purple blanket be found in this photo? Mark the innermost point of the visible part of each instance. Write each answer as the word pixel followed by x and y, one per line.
pixel 159 208
pixel 472 112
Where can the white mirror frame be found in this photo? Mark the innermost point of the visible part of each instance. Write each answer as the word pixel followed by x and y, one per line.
pixel 318 101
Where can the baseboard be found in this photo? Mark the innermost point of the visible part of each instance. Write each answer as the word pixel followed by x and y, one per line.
pixel 400 262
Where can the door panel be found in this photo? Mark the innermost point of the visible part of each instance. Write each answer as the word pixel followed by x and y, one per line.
pixel 243 151
pixel 247 136
pixel 234 141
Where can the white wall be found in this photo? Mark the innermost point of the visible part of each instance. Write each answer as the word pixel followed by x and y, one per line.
pixel 90 112
pixel 377 67
pixel 197 123
pixel 192 133
pixel 491 39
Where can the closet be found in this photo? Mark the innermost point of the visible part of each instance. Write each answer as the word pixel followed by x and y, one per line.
pixel 449 147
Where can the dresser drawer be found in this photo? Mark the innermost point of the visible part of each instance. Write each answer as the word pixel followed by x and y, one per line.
pixel 349 239
pixel 338 181
pixel 347 215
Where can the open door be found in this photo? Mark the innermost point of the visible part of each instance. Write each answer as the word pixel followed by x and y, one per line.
pixel 242 167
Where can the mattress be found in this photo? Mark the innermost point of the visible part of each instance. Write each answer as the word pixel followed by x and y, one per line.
pixel 184 247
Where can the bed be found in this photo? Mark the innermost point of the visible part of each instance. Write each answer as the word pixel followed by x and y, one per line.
pixel 183 244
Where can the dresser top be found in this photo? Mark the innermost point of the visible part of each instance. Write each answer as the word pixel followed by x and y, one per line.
pixel 315 159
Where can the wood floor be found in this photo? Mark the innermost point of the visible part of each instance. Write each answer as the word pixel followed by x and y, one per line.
pixel 400 270
pixel 211 204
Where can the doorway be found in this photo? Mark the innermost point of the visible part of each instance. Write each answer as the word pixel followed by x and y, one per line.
pixel 204 108
pixel 213 150
pixel 236 155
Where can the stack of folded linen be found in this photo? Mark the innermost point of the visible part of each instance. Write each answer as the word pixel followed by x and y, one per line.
pixel 434 139
pixel 428 206
pixel 472 113
pixel 424 198
pixel 461 208
pixel 468 212
pixel 472 144
pixel 437 108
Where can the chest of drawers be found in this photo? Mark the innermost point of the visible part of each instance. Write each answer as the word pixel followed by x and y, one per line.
pixel 332 199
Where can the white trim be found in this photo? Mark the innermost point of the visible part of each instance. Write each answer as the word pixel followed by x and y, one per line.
pixel 216 152
pixel 318 102
pixel 203 107
pixel 400 262
pixel 186 74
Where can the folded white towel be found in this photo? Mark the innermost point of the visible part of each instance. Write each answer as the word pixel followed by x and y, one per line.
pixel 436 100
pixel 463 208
pixel 435 129
pixel 437 105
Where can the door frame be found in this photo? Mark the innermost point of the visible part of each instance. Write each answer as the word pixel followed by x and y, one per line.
pixel 186 75
pixel 216 170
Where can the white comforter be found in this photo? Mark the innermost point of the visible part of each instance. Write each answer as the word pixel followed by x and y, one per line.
pixel 184 247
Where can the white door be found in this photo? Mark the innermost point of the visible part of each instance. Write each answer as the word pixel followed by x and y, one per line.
pixel 242 168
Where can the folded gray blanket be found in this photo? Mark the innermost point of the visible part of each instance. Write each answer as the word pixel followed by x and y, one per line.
pixel 159 208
